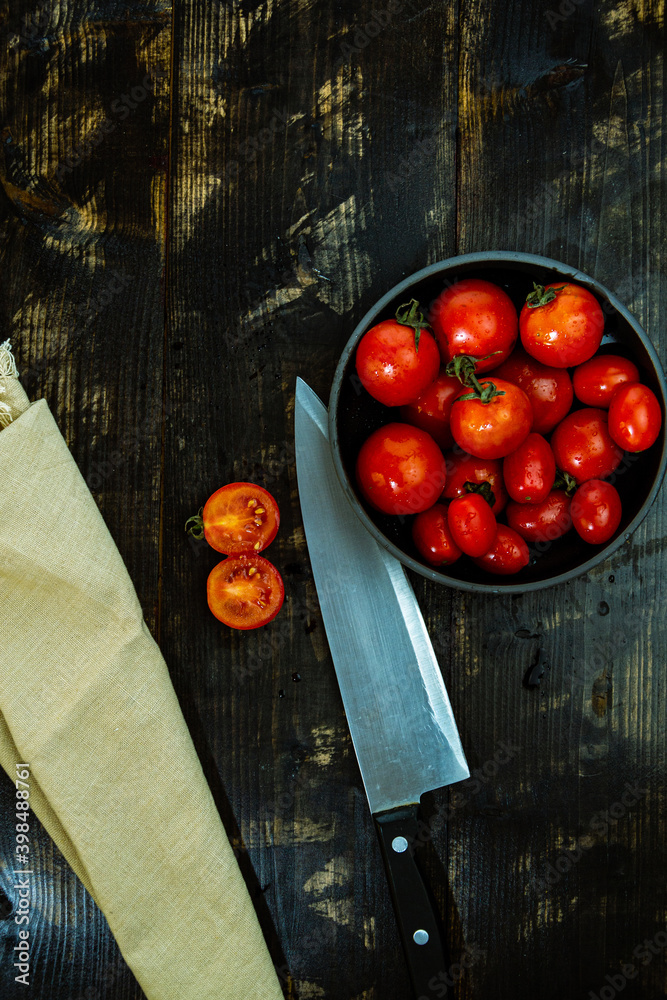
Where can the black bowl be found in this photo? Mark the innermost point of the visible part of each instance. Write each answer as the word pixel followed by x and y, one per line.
pixel 353 415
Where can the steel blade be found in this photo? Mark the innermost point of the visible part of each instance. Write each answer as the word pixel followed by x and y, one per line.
pixel 395 700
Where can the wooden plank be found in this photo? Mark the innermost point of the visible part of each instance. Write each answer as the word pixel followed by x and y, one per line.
pixel 570 132
pixel 314 165
pixel 313 168
pixel 85 101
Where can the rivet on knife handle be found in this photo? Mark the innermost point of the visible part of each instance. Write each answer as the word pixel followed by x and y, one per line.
pixel 417 921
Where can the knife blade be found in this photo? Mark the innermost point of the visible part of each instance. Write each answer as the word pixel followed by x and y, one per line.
pixel 397 708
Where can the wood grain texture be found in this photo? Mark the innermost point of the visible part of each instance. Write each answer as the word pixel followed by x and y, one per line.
pixel 292 165
pixel 576 125
pixel 85 107
pixel 318 154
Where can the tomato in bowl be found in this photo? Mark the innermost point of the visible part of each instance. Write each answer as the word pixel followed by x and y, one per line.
pixel 354 416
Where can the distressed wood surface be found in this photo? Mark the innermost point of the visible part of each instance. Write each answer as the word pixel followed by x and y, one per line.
pixel 84 98
pixel 166 274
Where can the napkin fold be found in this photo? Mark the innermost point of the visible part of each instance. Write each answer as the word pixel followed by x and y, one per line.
pixel 86 701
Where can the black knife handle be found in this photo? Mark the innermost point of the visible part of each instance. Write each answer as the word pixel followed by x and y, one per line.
pixel 426 956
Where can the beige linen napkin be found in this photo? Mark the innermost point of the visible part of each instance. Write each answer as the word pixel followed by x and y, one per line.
pixel 86 701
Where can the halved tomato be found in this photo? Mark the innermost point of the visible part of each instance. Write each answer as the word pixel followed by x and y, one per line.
pixel 239 517
pixel 245 591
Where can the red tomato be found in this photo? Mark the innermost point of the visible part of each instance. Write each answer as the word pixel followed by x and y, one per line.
pixel 397 359
pixel 463 468
pixel 245 591
pixel 583 446
pixel 400 469
pixel 477 318
pixel 541 522
pixel 508 554
pixel 472 524
pixel 239 517
pixel 530 471
pixel 596 511
pixel 595 381
pixel 432 537
pixel 495 428
pixel 635 417
pixel 548 389
pixel 561 329
pixel 431 411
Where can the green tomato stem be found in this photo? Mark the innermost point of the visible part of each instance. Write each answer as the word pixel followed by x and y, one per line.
pixel 484 489
pixel 564 481
pixel 410 314
pixel 195 525
pixel 541 296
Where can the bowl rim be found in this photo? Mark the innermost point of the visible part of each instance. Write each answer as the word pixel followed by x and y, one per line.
pixel 491 258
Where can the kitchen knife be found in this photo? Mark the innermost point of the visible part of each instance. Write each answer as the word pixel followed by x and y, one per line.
pixel 397 708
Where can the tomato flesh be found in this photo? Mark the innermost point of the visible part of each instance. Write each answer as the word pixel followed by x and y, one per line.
pixel 240 517
pixel 245 591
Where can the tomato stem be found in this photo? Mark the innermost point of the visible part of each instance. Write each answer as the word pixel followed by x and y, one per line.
pixel 564 481
pixel 484 489
pixel 410 314
pixel 195 525
pixel 541 296
pixel 484 391
pixel 463 367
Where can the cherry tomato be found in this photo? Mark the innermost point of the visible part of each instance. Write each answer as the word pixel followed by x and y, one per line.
pixel 596 511
pixel 245 591
pixel 561 324
pixel 583 446
pixel 495 428
pixel 432 537
pixel 431 411
pixel 595 381
pixel 463 468
pixel 530 471
pixel 472 524
pixel 635 417
pixel 508 554
pixel 400 469
pixel 239 517
pixel 397 359
pixel 548 389
pixel 541 522
pixel 475 317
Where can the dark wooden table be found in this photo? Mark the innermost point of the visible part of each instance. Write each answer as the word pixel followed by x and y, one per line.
pixel 198 203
